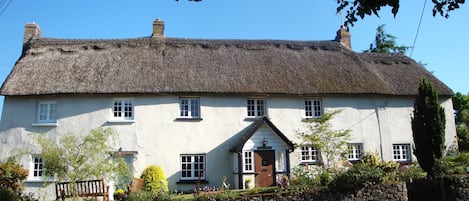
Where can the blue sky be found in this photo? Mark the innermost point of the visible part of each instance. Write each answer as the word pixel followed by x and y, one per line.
pixel 442 43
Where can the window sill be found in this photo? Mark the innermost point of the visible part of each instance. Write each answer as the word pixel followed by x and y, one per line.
pixel 39 180
pixel 310 163
pixel 309 119
pixel 354 161
pixel 188 119
pixel 52 124
pixel 253 118
pixel 404 162
pixel 203 181
pixel 121 121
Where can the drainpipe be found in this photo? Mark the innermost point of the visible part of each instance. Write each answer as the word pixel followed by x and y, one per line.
pixel 380 133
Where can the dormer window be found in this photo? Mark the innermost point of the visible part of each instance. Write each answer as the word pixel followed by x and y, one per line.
pixel 256 107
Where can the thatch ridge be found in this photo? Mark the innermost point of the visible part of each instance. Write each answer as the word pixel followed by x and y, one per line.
pixel 175 65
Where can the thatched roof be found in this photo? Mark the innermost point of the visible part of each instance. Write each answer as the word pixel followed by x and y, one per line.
pixel 170 65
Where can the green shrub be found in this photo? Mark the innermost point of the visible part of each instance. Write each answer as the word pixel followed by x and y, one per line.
pixel 325 178
pixel 452 165
pixel 304 177
pixel 358 176
pixel 140 196
pixel 154 179
pixel 413 171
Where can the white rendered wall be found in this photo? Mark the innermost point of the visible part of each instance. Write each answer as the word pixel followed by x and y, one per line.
pixel 159 138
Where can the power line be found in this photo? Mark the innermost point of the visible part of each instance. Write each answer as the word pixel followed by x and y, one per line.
pixel 418 28
pixel 4 8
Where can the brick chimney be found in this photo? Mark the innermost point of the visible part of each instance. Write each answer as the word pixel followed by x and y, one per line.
pixel 31 31
pixel 158 28
pixel 343 36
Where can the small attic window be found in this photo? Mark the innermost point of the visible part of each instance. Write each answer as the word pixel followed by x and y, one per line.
pixel 46 113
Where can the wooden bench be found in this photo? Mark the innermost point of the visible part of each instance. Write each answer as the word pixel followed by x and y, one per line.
pixel 89 188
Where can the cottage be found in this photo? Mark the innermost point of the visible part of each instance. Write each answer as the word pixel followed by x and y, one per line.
pixel 205 109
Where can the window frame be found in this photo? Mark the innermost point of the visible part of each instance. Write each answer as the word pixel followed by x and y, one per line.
pixel 122 112
pixel 313 110
pixel 50 110
pixel 192 169
pixel 36 167
pixel 400 152
pixel 314 155
pixel 190 108
pixel 255 108
pixel 248 161
pixel 354 151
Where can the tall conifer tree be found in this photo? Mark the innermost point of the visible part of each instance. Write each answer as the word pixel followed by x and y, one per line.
pixel 428 127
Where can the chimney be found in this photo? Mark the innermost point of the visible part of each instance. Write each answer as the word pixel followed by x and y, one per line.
pixel 158 28
pixel 31 31
pixel 343 36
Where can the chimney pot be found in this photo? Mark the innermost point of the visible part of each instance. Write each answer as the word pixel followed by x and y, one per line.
pixel 158 28
pixel 31 31
pixel 343 36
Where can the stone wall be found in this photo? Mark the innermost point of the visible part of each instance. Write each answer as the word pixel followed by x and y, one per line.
pixel 451 188
pixel 391 192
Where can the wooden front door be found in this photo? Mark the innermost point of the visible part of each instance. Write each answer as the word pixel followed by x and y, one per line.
pixel 265 167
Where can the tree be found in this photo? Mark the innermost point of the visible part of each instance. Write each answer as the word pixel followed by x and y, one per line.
pixel 385 43
pixel 361 8
pixel 331 144
pixel 461 108
pixel 428 127
pixel 83 157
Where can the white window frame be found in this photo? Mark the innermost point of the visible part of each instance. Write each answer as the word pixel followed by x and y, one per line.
pixel 49 114
pixel 36 168
pixel 121 113
pixel 248 161
pixel 354 151
pixel 192 170
pixel 256 107
pixel 402 152
pixel 313 108
pixel 310 154
pixel 189 107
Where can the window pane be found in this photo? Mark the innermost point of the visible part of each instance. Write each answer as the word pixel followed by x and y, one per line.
pixel 251 108
pixel 42 111
pixel 194 107
pixel 260 108
pixel 184 107
pixel 128 107
pixel 52 111
pixel 317 108
pixel 308 112
pixel 117 108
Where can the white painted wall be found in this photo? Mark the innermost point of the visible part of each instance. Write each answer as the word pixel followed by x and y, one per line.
pixel 160 139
